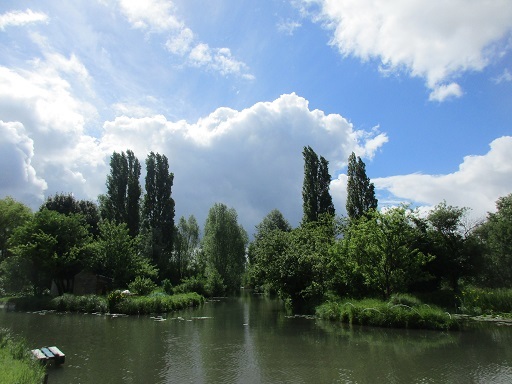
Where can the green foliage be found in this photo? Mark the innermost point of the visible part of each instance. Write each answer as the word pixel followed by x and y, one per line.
pixel 158 212
pixel 142 286
pixel 16 361
pixel 12 215
pixel 133 305
pixel 380 251
pixel 295 264
pixel 496 235
pixel 121 203
pixel 167 286
pixel 186 247
pixel 387 314
pixel 73 303
pixel 315 188
pixel 67 204
pixel 224 244
pixel 360 191
pixel 52 246
pixel 116 255
pixel 476 301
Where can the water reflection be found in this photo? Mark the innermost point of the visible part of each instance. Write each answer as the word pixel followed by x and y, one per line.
pixel 251 340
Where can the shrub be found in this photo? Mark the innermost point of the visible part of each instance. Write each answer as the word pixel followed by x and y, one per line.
pixel 142 286
pixel 167 286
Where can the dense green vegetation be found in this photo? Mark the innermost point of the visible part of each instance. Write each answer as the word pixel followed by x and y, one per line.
pixel 130 239
pixel 16 361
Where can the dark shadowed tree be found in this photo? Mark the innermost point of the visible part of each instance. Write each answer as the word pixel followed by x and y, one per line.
pixel 316 199
pixel 360 191
pixel 67 204
pixel 121 203
pixel 158 212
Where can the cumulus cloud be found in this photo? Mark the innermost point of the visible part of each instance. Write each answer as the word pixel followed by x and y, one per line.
pixel 249 159
pixel 159 16
pixel 477 184
pixel 19 178
pixel 436 40
pixel 20 18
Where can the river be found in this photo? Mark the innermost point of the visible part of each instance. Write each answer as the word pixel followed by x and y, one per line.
pixel 251 339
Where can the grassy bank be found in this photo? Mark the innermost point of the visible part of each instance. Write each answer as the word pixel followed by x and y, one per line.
pixel 400 312
pixel 16 361
pixel 478 301
pixel 115 302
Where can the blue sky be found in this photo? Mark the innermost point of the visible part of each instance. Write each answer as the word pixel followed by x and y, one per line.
pixel 231 91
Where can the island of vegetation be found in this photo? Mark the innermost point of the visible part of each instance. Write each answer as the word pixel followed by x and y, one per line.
pixel 393 267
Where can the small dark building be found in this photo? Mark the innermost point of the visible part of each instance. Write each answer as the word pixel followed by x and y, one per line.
pixel 88 283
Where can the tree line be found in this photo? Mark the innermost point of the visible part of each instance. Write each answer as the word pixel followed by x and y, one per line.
pixel 131 232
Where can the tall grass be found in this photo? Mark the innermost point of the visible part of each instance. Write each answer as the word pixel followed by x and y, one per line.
pixel 73 303
pixel 477 301
pixel 160 303
pixel 404 312
pixel 16 361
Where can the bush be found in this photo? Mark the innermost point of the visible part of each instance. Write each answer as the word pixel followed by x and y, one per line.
pixel 167 286
pixel 142 286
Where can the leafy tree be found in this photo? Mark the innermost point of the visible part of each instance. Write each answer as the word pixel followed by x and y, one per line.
pixel 380 247
pixel 295 264
pixel 315 189
pixel 116 255
pixel 67 204
pixel 12 215
pixel 158 211
pixel 186 246
pixel 360 191
pixel 496 234
pixel 52 246
pixel 272 224
pixel 223 245
pixel 121 203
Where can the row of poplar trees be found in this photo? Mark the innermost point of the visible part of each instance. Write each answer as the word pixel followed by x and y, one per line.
pixel 151 213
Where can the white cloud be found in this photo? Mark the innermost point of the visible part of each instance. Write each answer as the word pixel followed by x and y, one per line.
pixel 477 184
pixel 19 178
pixel 159 16
pixel 443 92
pixel 506 76
pixel 20 18
pixel 154 15
pixel 288 27
pixel 249 159
pixel 436 40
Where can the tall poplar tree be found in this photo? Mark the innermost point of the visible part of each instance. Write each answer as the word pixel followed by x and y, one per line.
pixel 121 204
pixel 158 211
pixel 360 191
pixel 316 199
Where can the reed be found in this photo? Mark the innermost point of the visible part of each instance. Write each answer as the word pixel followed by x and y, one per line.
pixel 477 301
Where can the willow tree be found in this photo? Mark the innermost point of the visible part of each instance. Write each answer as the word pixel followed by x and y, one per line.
pixel 360 191
pixel 316 199
pixel 224 244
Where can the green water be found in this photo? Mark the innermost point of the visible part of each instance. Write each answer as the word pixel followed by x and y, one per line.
pixel 251 340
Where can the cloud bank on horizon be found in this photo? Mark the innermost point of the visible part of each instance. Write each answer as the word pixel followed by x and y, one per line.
pixel 81 81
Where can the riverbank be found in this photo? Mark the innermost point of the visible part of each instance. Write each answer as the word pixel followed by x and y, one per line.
pixel 16 361
pixel 115 302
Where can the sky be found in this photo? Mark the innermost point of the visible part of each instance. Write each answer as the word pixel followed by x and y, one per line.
pixel 231 92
